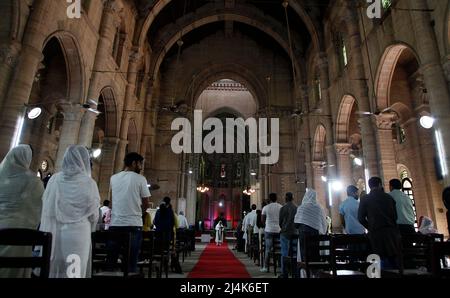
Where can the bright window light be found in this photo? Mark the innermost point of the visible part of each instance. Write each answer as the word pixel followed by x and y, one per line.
pixel 337 185
pixel 18 132
pixel 441 152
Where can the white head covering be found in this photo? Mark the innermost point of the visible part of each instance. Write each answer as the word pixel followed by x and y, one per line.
pixel 72 195
pixel 310 213
pixel 20 190
pixel 427 226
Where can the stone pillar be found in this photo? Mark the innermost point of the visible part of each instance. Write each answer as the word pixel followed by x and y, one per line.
pixel 344 164
pixel 308 165
pixel 325 84
pixel 191 199
pixel 307 137
pixel 24 74
pixel 69 130
pixel 109 149
pixel 433 73
pixel 120 155
pixel 87 129
pixel 104 46
pixel 319 186
pixel 9 54
pixel 388 162
pixel 361 92
pixel 128 107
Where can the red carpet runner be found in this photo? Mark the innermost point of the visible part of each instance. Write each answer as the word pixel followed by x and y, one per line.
pixel 218 262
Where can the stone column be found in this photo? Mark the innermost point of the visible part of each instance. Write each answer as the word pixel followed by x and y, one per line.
pixel 9 54
pixel 191 199
pixel 120 155
pixel 325 84
pixel 344 164
pixel 69 130
pixel 24 74
pixel 319 186
pixel 109 149
pixel 129 105
pixel 104 46
pixel 388 162
pixel 308 164
pixel 361 92
pixel 433 73
pixel 87 129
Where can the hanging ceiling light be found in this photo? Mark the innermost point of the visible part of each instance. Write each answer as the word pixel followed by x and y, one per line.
pixel 97 152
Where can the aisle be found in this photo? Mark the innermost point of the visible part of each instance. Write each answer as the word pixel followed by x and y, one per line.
pixel 218 262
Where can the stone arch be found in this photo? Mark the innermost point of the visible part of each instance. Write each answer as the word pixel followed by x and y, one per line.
pixel 74 65
pixel 217 17
pixel 225 110
pixel 110 110
pixel 385 72
pixel 343 119
pixel 236 72
pixel 161 4
pixel 319 143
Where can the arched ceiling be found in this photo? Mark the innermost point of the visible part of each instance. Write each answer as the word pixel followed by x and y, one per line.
pixel 164 22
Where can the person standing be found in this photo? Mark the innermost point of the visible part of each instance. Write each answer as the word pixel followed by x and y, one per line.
pixel 219 233
pixel 289 234
pixel 378 214
pixel 20 203
pixel 70 213
pixel 406 217
pixel 349 212
pixel 271 218
pixel 310 220
pixel 130 199
pixel 105 208
pixel 182 221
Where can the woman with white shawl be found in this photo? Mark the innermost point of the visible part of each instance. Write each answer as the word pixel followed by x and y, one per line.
pixel 310 220
pixel 426 226
pixel 20 202
pixel 71 203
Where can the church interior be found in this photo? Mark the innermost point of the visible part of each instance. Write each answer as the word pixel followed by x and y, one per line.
pixel 358 89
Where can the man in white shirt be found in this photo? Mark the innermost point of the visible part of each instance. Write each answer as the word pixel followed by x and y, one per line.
pixel 182 221
pixel 130 199
pixel 271 216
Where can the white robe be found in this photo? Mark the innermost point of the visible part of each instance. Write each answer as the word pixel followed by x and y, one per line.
pixel 219 232
pixel 20 203
pixel 70 213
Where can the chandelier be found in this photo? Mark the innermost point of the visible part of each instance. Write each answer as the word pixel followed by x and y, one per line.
pixel 249 191
pixel 202 189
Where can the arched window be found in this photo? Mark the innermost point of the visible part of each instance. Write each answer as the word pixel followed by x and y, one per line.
pixel 407 188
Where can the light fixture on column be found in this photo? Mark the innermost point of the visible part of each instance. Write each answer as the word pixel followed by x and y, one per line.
pixel 96 153
pixel 324 179
pixel 253 173
pixel 427 122
pixel 190 171
pixel 34 113
pixel 358 161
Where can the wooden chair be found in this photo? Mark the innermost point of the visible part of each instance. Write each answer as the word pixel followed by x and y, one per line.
pixel 275 254
pixel 415 257
pixel 26 237
pixel 146 253
pixel 161 252
pixel 103 245
pixel 440 267
pixel 349 256
pixel 317 255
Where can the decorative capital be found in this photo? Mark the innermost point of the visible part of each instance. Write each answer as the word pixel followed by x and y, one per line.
pixel 8 57
pixel 343 148
pixel 72 112
pixel 385 120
